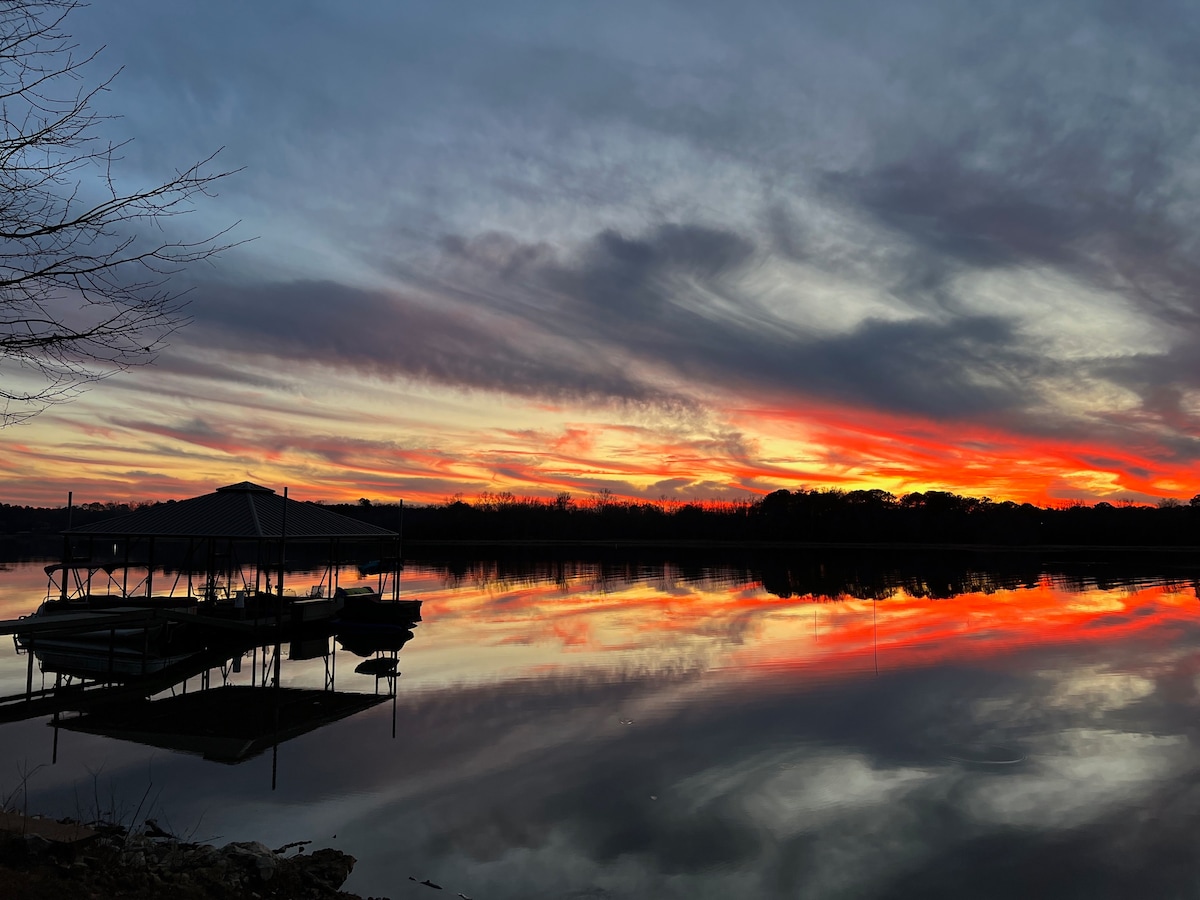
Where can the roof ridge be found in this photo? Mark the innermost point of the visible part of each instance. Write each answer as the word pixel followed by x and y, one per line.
pixel 223 513
pixel 247 487
pixel 254 514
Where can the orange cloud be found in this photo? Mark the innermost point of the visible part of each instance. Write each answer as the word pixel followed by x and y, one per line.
pixel 336 450
pixel 871 449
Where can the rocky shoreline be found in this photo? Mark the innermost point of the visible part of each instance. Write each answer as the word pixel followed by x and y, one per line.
pixel 43 859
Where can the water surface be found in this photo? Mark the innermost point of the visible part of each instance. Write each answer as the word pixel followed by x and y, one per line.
pixel 644 730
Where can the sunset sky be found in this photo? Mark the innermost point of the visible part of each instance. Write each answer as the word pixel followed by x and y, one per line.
pixel 689 250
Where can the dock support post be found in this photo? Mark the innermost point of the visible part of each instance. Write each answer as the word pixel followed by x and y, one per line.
pixel 282 548
pixel 67 546
pixel 150 570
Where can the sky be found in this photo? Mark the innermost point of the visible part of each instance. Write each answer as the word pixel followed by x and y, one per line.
pixel 669 250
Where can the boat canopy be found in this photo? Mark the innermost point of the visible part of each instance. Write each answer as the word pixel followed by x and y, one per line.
pixel 244 510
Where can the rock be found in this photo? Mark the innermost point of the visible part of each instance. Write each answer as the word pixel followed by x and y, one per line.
pixel 116 863
pixel 214 874
pixel 326 867
pixel 36 845
pixel 155 831
pixel 261 857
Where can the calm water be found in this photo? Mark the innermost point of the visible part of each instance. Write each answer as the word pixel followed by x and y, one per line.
pixel 577 730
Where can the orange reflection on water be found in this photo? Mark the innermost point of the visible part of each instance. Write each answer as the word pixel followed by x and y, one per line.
pixel 660 622
pixel 904 631
pixel 485 626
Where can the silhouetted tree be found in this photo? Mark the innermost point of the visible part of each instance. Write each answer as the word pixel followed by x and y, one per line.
pixel 84 268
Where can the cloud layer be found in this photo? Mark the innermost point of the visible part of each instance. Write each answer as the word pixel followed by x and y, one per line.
pixel 953 220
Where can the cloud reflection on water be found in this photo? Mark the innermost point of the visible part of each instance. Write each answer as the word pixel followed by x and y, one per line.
pixel 715 740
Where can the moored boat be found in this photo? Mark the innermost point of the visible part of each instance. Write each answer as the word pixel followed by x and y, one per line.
pixel 364 605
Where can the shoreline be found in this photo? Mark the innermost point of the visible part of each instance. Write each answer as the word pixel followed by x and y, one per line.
pixel 47 859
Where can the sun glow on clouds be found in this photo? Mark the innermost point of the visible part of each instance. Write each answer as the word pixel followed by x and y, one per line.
pixel 867 449
pixel 343 437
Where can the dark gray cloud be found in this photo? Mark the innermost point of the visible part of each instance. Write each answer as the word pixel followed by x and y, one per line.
pixel 962 219
pixel 975 219
pixel 965 368
pixel 323 323
pixel 1055 139
pixel 514 316
pixel 677 297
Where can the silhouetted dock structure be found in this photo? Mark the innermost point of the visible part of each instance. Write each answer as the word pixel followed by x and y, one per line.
pixel 226 724
pixel 114 641
pixel 229 544
pixel 229 554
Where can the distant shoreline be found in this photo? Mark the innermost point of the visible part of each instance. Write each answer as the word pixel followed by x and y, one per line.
pixel 51 545
pixel 803 545
pixel 792 520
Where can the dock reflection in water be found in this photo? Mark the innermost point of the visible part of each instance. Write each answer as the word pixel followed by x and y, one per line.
pixel 130 680
pixel 632 729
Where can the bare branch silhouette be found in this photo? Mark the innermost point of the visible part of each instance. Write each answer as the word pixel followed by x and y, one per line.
pixel 85 266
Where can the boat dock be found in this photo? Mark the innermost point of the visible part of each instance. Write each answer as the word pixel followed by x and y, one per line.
pixel 212 639
pixel 142 617
pixel 143 602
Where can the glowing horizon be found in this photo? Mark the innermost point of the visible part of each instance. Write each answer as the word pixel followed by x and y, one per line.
pixel 874 452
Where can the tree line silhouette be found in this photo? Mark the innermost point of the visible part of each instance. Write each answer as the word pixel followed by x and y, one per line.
pixel 800 516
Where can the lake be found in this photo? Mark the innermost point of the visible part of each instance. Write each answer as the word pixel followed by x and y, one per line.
pixel 806 725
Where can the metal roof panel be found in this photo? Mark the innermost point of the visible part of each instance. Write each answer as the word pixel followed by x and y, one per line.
pixel 244 510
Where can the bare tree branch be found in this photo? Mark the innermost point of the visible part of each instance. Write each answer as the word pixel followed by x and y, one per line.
pixel 84 273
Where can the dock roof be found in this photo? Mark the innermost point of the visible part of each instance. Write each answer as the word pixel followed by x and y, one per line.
pixel 244 510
